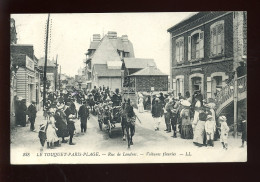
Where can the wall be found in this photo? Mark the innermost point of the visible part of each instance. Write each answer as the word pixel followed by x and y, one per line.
pixel 228 37
pixel 144 83
pixel 112 82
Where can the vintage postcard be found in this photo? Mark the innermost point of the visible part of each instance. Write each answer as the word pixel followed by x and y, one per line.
pixel 111 88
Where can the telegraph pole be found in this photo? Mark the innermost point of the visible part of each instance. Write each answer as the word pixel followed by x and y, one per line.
pixel 56 72
pixel 45 64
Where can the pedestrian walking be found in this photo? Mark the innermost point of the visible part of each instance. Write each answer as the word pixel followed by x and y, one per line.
pixel 31 111
pixel 157 112
pixel 174 117
pixel 210 128
pixel 244 130
pixel 224 132
pixel 61 123
pixel 186 126
pixel 83 115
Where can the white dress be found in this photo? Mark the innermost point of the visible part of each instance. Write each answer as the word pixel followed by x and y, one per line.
pixel 51 131
pixel 141 105
pixel 196 114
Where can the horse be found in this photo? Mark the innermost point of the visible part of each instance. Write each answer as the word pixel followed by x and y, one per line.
pixel 130 130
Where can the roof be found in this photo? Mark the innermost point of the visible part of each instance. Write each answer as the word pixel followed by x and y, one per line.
pixel 23 49
pixel 185 20
pixel 19 59
pixel 94 45
pixel 103 71
pixel 138 62
pixel 149 71
pixel 114 64
pixel 118 43
pixel 49 62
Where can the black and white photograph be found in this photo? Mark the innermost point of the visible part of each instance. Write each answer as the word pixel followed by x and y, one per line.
pixel 120 88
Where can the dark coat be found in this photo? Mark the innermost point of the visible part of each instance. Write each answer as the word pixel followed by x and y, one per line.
pixel 31 111
pixel 116 99
pixel 157 110
pixel 83 112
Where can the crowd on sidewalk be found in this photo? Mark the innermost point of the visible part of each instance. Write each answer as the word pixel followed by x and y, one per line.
pixel 192 116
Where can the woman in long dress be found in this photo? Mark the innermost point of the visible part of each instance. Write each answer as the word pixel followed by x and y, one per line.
pixel 196 111
pixel 51 132
pixel 186 126
pixel 199 133
pixel 141 105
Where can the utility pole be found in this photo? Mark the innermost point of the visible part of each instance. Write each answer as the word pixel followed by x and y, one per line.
pixel 59 78
pixel 56 72
pixel 45 64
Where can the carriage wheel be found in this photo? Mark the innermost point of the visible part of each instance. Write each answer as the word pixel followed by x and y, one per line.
pixel 109 129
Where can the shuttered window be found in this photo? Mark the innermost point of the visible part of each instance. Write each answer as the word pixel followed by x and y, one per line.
pixel 179 51
pixel 196 45
pixel 217 38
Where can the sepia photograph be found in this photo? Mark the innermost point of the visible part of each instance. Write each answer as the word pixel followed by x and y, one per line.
pixel 120 88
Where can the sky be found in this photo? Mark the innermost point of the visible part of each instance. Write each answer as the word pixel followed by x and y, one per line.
pixel 70 35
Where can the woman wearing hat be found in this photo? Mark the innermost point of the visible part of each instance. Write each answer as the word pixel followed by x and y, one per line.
pixel 141 104
pixel 61 123
pixel 186 127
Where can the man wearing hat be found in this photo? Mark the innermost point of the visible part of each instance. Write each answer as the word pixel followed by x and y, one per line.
pixel 167 115
pixel 157 112
pixel 83 114
pixel 32 115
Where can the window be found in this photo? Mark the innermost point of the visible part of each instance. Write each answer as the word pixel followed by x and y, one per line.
pixel 179 56
pixel 217 38
pixel 196 45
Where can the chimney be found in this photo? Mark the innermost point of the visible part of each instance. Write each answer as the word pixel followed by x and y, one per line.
pixel 112 35
pixel 96 37
pixel 124 38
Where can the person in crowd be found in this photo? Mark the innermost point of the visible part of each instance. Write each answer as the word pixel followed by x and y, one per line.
pixel 224 132
pixel 141 104
pixel 197 108
pixel 186 126
pixel 116 98
pixel 210 128
pixel 73 107
pixel 61 123
pixel 22 113
pixel 174 117
pixel 244 130
pixel 71 127
pixel 83 114
pixel 157 112
pixel 167 114
pixel 17 110
pixel 161 99
pixel 42 135
pixel 180 96
pixel 153 100
pixel 199 131
pixel 188 97
pixel 31 111
pixel 51 135
pixel 46 108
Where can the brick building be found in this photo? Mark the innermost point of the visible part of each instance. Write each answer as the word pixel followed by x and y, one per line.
pixel 202 53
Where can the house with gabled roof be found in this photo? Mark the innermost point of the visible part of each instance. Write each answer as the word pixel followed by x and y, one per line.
pixel 103 63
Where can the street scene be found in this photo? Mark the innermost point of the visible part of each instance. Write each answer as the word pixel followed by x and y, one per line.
pixel 118 98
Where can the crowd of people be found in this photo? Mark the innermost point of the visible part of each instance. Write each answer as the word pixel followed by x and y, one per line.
pixel 191 116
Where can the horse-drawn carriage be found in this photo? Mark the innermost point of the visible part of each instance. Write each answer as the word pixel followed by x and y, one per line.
pixel 109 117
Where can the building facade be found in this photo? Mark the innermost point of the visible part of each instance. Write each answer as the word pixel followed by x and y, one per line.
pixel 202 53
pixel 104 59
pixel 27 84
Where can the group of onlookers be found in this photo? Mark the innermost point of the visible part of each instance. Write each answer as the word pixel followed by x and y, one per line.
pixel 192 116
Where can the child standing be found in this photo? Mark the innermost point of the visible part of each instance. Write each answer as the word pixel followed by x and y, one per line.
pixel 224 131
pixel 210 128
pixel 52 137
pixel 42 135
